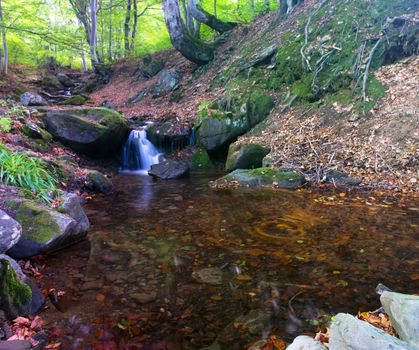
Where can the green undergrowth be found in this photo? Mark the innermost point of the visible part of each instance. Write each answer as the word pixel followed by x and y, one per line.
pixel 29 173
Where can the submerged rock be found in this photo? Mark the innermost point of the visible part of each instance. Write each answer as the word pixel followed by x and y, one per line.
pixel 99 182
pixel 210 275
pixel 19 296
pixel 261 177
pixel 45 230
pixel 30 99
pixel 167 81
pixel 245 156
pixel 10 232
pixel 304 342
pixel 348 332
pixel 98 132
pixel 403 311
pixel 170 169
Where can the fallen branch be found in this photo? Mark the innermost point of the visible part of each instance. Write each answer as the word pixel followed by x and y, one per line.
pixel 367 69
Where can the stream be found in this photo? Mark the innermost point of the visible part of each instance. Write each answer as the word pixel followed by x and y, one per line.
pixel 287 261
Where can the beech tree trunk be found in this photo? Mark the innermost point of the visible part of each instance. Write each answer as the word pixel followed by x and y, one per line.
pixel 93 34
pixel 193 49
pixel 210 20
pixel 126 27
pixel 4 39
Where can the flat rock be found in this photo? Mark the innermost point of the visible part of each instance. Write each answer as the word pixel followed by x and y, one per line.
pixel 210 275
pixel 169 169
pixel 304 342
pixel 403 310
pixel 10 232
pixel 348 332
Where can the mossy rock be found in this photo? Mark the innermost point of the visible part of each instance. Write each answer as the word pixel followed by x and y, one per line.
pixel 77 100
pixel 260 177
pixel 44 230
pixel 50 82
pixel 150 66
pixel 341 179
pixel 200 160
pixel 98 132
pixel 19 296
pixel 245 156
pixel 36 132
pixel 99 182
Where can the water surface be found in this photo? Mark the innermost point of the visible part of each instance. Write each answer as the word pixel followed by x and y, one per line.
pixel 289 260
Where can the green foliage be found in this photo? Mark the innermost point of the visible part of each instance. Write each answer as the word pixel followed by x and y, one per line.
pixel 30 174
pixel 5 124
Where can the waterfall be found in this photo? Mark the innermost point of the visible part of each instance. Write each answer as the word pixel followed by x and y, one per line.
pixel 139 153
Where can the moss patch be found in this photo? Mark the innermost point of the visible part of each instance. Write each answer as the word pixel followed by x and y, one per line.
pixel 16 291
pixel 201 161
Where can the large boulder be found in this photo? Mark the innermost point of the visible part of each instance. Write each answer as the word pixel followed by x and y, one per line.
pixel 167 81
pixel 169 136
pixel 228 118
pixel 245 156
pixel 10 232
pixel 150 66
pixel 260 177
pixel 98 132
pixel 348 332
pixel 30 99
pixel 65 80
pixel 403 311
pixel 170 169
pixel 45 230
pixel 98 182
pixel 19 296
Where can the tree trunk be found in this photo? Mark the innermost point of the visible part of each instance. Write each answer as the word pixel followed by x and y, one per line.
pixel 210 20
pixel 252 8
pixel 283 8
pixel 126 27
pixel 190 47
pixel 93 34
pixel 4 38
pixel 110 32
pixel 134 28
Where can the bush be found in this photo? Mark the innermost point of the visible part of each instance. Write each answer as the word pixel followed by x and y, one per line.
pixel 30 174
pixel 5 124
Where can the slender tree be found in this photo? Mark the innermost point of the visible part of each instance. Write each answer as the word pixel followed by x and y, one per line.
pixel 5 65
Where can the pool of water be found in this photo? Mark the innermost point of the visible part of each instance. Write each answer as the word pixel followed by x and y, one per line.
pixel 287 261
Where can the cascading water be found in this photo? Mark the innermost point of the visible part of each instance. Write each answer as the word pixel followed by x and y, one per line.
pixel 139 153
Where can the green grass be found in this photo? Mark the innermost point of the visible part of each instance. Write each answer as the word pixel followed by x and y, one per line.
pixel 30 174
pixel 5 124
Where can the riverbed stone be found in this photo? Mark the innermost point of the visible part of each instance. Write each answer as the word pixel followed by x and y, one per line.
pixel 167 81
pixel 144 298
pixel 403 310
pixel 10 232
pixel 31 99
pixel 348 332
pixel 98 132
pixel 245 156
pixel 210 275
pixel 260 177
pixel 169 169
pixel 99 182
pixel 340 178
pixel 304 342
pixel 19 296
pixel 44 230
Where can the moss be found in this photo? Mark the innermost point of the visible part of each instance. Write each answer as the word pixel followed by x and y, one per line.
pixel 201 160
pixel 77 100
pixel 36 221
pixel 17 291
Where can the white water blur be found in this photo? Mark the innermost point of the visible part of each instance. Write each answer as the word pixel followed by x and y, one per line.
pixel 139 153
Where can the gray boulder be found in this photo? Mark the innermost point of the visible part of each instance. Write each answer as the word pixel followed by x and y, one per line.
pixel 98 132
pixel 167 81
pixel 170 169
pixel 229 118
pixel 260 177
pixel 245 156
pixel 30 99
pixel 45 230
pixel 339 178
pixel 150 66
pixel 99 182
pixel 65 80
pixel 19 296
pixel 403 310
pixel 10 232
pixel 303 342
pixel 70 205
pixel 348 332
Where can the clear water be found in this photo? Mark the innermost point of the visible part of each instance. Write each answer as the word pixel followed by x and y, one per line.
pixel 299 256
